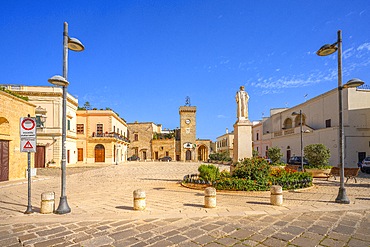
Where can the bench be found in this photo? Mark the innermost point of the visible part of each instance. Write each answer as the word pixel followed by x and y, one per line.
pixel 348 173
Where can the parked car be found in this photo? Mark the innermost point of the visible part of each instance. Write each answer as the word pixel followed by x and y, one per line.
pixel 365 165
pixel 166 158
pixel 133 158
pixel 296 160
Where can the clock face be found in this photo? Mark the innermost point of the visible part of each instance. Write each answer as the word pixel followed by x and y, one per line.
pixel 187 121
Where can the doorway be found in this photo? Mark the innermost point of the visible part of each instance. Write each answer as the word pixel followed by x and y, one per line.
pixel 4 160
pixel 40 157
pixel 99 153
pixel 188 155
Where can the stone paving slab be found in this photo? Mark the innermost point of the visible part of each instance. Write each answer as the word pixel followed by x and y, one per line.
pixel 101 201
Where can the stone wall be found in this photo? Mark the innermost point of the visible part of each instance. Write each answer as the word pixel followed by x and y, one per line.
pixel 11 110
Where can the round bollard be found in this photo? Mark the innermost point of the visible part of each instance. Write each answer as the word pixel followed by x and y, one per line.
pixel 276 198
pixel 210 197
pixel 139 199
pixel 47 203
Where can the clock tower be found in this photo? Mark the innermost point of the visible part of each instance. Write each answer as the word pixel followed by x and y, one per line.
pixel 188 133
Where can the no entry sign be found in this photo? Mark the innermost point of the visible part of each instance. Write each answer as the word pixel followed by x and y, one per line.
pixel 28 134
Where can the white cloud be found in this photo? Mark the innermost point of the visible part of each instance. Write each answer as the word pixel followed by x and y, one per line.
pixel 348 53
pixel 221 116
pixel 364 46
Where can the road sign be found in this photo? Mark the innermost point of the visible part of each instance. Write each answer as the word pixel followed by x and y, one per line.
pixel 28 127
pixel 28 134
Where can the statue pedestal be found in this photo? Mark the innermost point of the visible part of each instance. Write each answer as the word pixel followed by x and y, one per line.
pixel 242 140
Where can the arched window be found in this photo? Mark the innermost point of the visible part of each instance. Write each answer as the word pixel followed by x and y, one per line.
pixel 288 123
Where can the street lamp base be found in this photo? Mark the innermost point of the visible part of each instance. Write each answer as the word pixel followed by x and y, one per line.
pixel 342 196
pixel 63 207
pixel 29 210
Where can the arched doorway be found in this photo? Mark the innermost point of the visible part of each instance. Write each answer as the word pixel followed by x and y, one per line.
pixel 188 155
pixel 202 153
pixel 99 153
pixel 288 153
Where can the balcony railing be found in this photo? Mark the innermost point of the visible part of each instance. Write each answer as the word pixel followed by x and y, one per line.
pixel 111 135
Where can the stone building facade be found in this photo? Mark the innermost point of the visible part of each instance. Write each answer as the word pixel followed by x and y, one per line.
pixel 48 101
pixel 225 143
pixel 150 142
pixel 101 137
pixel 13 162
pixel 320 124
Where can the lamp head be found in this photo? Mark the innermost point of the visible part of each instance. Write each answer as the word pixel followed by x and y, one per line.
pixel 355 82
pixel 327 49
pixel 58 81
pixel 75 45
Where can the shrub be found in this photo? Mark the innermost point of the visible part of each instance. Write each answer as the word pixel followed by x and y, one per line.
pixel 317 156
pixel 209 172
pixel 253 169
pixel 274 153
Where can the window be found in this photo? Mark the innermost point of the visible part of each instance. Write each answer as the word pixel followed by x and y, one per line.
pixel 68 124
pixel 136 137
pixel 167 153
pixel 114 128
pixel 328 123
pixel 257 137
pixel 99 130
pixel 80 128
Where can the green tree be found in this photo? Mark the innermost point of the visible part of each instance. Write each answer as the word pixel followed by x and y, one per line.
pixel 317 155
pixel 87 105
pixel 274 153
pixel 254 153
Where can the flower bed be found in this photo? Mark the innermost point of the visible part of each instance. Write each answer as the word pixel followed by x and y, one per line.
pixel 255 175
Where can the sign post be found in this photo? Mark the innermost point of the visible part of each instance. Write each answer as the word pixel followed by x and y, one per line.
pixel 28 144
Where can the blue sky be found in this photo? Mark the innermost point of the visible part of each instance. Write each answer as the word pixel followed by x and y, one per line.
pixel 143 58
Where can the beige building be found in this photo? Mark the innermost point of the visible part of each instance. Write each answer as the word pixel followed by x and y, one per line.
pixel 141 135
pixel 101 137
pixel 225 143
pixel 320 123
pixel 150 142
pixel 13 162
pixel 48 101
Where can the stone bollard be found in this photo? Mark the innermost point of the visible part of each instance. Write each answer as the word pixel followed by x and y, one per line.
pixel 276 198
pixel 139 199
pixel 210 197
pixel 47 203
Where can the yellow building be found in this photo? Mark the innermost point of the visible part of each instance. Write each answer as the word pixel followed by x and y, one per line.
pixel 101 137
pixel 13 162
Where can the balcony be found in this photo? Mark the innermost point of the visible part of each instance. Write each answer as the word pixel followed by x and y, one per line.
pixel 110 135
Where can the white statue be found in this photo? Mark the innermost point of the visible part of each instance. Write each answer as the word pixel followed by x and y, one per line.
pixel 242 98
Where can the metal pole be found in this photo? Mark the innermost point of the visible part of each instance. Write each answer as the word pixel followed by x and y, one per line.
pixel 63 207
pixel 29 206
pixel 301 128
pixel 342 195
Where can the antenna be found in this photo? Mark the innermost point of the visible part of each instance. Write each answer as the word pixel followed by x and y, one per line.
pixel 187 101
pixel 305 97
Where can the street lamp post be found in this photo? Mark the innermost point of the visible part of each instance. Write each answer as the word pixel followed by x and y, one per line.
pixel 74 45
pixel 324 51
pixel 301 130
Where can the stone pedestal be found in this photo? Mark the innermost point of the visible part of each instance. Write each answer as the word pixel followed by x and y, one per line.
pixel 47 203
pixel 276 197
pixel 210 197
pixel 242 140
pixel 139 200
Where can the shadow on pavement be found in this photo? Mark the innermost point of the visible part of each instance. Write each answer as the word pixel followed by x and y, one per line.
pixel 125 208
pixel 193 205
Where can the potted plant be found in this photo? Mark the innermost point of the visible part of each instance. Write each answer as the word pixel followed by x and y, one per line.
pixel 317 156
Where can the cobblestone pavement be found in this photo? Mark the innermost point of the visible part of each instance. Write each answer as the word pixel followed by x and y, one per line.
pixel 102 199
